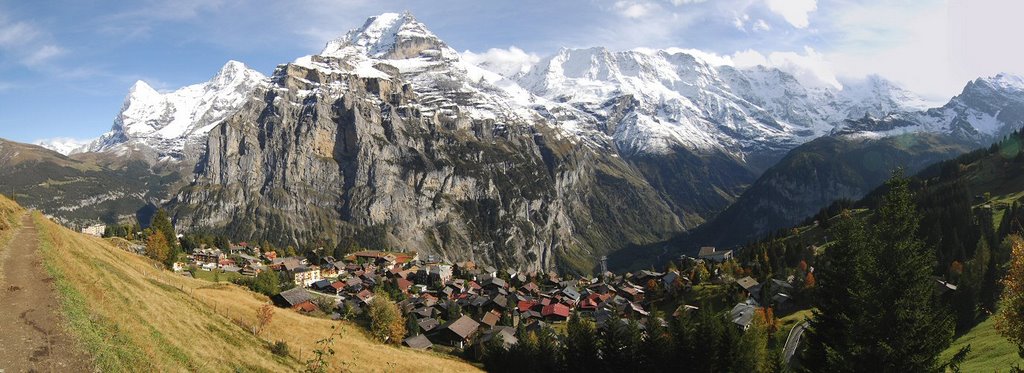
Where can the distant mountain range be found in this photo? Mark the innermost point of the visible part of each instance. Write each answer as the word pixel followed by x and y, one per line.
pixel 588 152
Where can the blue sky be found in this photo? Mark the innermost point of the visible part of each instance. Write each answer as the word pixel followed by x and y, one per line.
pixel 65 66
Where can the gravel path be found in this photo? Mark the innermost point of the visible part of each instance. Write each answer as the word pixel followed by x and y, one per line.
pixel 31 336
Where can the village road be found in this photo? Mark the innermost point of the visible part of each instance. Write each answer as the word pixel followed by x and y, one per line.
pixel 32 338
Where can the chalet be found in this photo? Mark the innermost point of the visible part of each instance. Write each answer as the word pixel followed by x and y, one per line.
pixel 305 276
pixel 365 296
pixel 749 285
pixel 418 342
pixel 456 333
pixel 492 284
pixel 530 288
pixel 322 286
pixel 555 312
pixel 291 297
pixel 270 255
pixel 427 324
pixel 208 255
pixel 95 230
pixel 742 315
pixel 490 319
pixel 710 253
pixel 632 293
pixel 506 333
pixel 403 284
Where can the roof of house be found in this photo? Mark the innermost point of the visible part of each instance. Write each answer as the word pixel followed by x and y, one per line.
pixel 294 296
pixel 418 342
pixel 508 335
pixel 428 324
pixel 742 314
pixel 556 309
pixel 490 319
pixel 747 282
pixel 463 327
pixel 306 306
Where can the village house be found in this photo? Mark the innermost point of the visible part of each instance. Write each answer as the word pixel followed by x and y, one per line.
pixel 305 276
pixel 710 253
pixel 211 255
pixel 456 333
pixel 291 298
pixel 418 342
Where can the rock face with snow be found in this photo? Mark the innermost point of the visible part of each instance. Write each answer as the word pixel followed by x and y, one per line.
pixel 677 100
pixel 391 129
pixel 174 125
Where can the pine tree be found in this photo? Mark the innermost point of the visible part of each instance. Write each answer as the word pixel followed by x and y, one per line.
pixel 876 307
pixel 582 351
pixel 902 326
pixel 828 338
pixel 656 349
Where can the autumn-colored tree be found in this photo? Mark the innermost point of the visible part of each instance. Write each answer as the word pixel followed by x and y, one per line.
pixel 700 273
pixel 264 315
pixel 767 316
pixel 1010 321
pixel 956 268
pixel 809 281
pixel 802 266
pixel 652 286
pixel 157 247
pixel 386 321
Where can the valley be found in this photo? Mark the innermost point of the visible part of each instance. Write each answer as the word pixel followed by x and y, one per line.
pixel 510 188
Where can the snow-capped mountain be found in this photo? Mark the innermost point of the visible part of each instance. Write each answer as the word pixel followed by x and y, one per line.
pixel 64 145
pixel 684 100
pixel 165 124
pixel 987 109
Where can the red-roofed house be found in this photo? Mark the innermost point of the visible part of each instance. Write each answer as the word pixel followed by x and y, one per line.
pixel 555 312
pixel 525 305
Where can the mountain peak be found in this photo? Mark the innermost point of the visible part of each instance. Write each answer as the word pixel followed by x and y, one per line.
pixel 388 35
pixel 141 90
pixel 234 73
pixel 1006 81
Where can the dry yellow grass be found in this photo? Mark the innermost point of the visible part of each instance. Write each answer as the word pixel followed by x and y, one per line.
pixel 137 317
pixel 10 219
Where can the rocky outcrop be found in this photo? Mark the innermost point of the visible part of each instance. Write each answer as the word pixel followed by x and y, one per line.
pixel 324 152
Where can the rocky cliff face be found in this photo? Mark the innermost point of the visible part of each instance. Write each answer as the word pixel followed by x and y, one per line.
pixel 344 140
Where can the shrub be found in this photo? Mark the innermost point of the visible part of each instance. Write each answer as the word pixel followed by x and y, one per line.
pixel 279 348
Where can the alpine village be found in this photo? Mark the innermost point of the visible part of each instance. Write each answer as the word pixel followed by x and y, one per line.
pixel 391 204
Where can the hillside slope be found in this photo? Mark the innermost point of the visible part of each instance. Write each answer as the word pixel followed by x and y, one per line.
pixel 80 190
pixel 132 316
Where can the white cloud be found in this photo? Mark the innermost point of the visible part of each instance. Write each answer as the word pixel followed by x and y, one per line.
pixel 43 54
pixel 506 62
pixel 796 12
pixel 761 25
pixel 25 43
pixel 740 21
pixel 16 34
pixel 711 58
pixel 684 2
pixel 810 68
pixel 932 48
pixel 635 9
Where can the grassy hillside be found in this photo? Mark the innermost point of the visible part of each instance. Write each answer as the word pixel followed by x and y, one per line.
pixel 990 352
pixel 10 214
pixel 132 316
pixel 82 190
